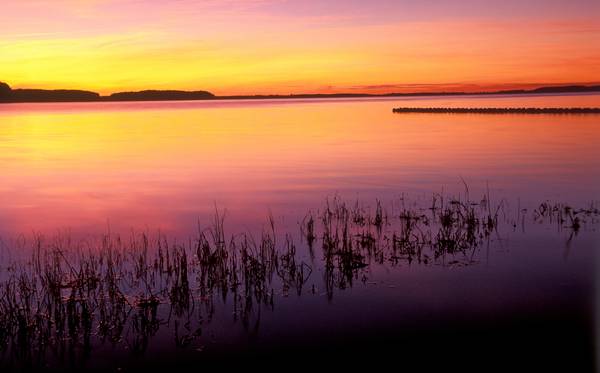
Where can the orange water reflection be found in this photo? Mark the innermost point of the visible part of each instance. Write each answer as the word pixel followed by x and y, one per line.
pixel 164 165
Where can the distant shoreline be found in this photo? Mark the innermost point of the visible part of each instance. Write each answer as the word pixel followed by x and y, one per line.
pixel 8 95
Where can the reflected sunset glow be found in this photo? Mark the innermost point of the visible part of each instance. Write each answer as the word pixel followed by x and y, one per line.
pixel 164 165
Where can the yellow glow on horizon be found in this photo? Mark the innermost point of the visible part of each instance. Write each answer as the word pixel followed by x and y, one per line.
pixel 237 53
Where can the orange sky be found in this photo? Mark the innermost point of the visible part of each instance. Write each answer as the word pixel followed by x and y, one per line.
pixel 278 46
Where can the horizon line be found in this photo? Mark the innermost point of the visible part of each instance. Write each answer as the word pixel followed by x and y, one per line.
pixel 367 89
pixel 9 95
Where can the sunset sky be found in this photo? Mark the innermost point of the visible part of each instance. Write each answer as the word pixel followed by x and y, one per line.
pixel 279 46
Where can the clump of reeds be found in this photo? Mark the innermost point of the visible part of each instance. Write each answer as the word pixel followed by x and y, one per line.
pixel 69 295
pixel 564 215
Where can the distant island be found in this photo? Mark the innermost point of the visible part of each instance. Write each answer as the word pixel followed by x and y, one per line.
pixel 9 95
pixel 154 95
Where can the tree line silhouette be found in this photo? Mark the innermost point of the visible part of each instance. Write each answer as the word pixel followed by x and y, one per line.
pixel 8 95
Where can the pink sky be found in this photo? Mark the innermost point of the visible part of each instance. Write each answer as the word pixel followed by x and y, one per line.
pixel 277 46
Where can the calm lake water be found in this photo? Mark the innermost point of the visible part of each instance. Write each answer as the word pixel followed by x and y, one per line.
pixel 164 165
pixel 527 294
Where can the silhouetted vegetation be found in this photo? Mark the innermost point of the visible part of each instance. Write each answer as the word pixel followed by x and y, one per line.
pixel 59 95
pixel 153 95
pixel 541 90
pixel 5 92
pixel 68 296
pixel 40 95
pixel 568 88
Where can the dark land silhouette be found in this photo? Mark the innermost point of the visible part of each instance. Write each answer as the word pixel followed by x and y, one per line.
pixel 8 95
pixel 59 95
pixel 5 91
pixel 154 95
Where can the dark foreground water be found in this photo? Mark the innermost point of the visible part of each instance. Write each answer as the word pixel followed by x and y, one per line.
pixel 404 288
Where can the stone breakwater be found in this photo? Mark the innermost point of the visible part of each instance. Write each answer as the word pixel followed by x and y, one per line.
pixel 492 110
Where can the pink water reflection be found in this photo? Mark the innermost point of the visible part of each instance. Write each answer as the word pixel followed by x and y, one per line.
pixel 166 165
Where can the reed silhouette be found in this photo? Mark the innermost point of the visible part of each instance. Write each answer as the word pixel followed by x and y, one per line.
pixel 65 297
